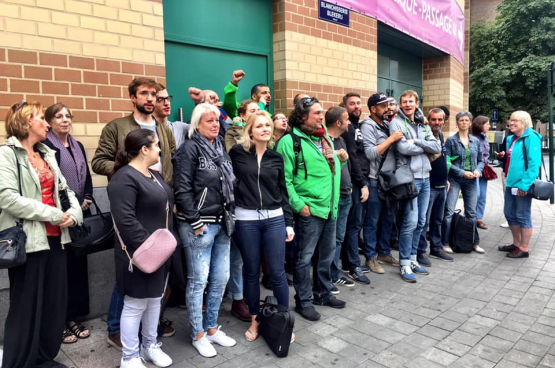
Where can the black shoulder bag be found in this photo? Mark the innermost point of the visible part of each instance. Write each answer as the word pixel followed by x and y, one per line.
pixel 13 239
pixel 95 235
pixel 276 326
pixel 541 189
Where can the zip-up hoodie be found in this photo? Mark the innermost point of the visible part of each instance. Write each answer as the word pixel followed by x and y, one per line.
pixel 518 176
pixel 424 142
pixel 373 135
pixel 319 189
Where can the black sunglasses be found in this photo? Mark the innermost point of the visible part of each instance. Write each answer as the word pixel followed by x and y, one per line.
pixel 309 101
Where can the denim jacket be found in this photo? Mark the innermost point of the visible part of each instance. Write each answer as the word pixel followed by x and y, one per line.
pixel 456 155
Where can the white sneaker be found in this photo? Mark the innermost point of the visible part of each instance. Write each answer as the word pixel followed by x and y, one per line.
pixel 204 347
pixel 155 355
pixel 505 225
pixel 221 338
pixel 132 363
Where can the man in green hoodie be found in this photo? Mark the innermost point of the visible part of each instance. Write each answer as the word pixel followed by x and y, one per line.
pixel 313 178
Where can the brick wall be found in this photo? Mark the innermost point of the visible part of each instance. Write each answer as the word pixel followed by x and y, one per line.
pixel 483 10
pixel 82 53
pixel 321 58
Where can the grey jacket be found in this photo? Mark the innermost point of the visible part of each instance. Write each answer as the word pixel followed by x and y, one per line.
pixel 29 206
pixel 424 143
pixel 372 136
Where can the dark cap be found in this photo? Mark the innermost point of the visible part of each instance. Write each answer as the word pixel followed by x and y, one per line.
pixel 379 98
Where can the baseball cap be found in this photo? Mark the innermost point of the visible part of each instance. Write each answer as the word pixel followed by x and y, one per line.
pixel 379 98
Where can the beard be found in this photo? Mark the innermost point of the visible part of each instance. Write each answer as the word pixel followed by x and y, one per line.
pixel 143 110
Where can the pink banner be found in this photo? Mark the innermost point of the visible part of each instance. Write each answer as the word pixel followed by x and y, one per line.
pixel 439 23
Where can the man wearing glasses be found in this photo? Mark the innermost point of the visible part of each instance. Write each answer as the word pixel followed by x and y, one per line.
pixel 162 111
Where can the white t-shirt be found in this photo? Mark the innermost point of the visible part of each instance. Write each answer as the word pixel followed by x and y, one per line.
pixel 152 127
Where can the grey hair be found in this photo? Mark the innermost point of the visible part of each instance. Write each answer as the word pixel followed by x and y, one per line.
pixel 464 113
pixel 524 117
pixel 199 111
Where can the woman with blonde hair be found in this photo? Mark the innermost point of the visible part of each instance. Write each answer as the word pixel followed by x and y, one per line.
pixel 264 218
pixel 30 185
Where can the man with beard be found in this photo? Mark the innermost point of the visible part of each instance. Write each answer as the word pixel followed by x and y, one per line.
pixel 412 150
pixel 350 260
pixel 142 92
pixel 313 179
pixel 391 112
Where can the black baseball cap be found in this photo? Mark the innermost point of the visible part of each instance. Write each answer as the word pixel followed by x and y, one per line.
pixel 379 98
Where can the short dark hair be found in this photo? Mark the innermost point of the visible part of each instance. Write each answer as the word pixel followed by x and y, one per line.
pixel 141 81
pixel 160 87
pixel 436 110
pixel 242 109
pixel 53 110
pixel 478 124
pixel 256 88
pixel 297 98
pixel 349 95
pixel 134 142
pixel 301 110
pixel 334 114
pixel 445 111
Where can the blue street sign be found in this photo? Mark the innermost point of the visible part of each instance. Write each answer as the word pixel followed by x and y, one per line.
pixel 495 115
pixel 333 13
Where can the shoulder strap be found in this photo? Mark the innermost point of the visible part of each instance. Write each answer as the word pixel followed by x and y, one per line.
pixel 526 158
pixel 384 156
pixel 18 170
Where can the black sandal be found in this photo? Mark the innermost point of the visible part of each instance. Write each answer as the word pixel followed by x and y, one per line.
pixel 77 329
pixel 67 333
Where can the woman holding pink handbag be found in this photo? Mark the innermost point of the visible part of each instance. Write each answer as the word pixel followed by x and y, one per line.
pixel 139 201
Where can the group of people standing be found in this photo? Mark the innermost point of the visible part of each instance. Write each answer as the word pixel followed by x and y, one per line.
pixel 241 190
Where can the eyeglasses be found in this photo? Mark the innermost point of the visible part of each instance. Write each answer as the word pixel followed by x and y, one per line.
pixel 282 118
pixel 147 93
pixel 23 102
pixel 60 117
pixel 514 120
pixel 164 99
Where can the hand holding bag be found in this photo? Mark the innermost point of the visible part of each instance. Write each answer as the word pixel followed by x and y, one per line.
pixel 488 173
pixel 155 250
pixel 541 189
pixel 13 239
pixel 95 235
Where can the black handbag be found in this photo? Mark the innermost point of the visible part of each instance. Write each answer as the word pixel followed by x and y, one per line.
pixel 396 185
pixel 95 235
pixel 462 233
pixel 228 222
pixel 13 239
pixel 276 326
pixel 541 189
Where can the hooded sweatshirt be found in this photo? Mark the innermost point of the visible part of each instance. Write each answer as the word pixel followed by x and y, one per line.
pixel 373 135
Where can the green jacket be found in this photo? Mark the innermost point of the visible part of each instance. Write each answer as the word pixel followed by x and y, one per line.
pixel 320 189
pixel 112 139
pixel 231 104
pixel 28 206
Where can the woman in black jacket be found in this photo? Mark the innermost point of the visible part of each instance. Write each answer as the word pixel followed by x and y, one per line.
pixel 264 218
pixel 71 157
pixel 203 183
pixel 141 203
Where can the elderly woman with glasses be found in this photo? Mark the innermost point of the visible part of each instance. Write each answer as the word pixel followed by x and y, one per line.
pixel 30 183
pixel 465 165
pixel 71 157
pixel 522 167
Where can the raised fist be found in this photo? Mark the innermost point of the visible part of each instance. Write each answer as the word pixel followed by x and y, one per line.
pixel 237 76
pixel 195 94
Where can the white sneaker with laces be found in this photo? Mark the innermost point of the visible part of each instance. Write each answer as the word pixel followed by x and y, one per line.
pixel 154 354
pixel 133 363
pixel 221 338
pixel 204 347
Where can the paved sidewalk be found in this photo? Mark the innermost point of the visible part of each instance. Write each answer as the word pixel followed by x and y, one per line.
pixel 480 311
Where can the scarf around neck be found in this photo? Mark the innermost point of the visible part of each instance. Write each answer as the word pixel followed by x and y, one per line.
pixel 215 152
pixel 327 148
pixel 73 168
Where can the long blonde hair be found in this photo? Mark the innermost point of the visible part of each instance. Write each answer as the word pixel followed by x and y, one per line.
pixel 247 141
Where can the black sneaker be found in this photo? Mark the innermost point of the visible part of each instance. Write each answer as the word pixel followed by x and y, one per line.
pixel 357 275
pixel 365 269
pixel 334 303
pixel 334 290
pixel 442 256
pixel 308 313
pixel 343 281
pixel 266 282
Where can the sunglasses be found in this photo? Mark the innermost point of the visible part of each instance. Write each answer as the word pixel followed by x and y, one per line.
pixel 23 102
pixel 309 101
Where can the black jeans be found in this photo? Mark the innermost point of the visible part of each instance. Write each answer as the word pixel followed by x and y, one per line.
pixel 38 301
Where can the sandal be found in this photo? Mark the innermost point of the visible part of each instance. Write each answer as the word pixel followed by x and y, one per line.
pixel 68 337
pixel 292 338
pixel 78 329
pixel 250 335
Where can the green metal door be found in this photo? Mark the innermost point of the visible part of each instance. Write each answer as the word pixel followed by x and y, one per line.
pixel 207 40
pixel 398 71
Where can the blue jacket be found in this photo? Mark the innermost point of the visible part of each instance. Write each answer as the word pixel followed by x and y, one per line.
pixel 518 176
pixel 456 155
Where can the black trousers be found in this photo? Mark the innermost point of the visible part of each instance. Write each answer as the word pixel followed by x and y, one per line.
pixel 38 301
pixel 77 287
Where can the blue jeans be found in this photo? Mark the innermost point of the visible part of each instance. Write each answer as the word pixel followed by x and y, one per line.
pixel 114 311
pixel 423 186
pixel 253 237
pixel 341 225
pixel 350 256
pixel 434 218
pixel 235 284
pixel 376 210
pixel 518 210
pixel 315 240
pixel 469 191
pixel 482 195
pixel 207 260
pixel 409 211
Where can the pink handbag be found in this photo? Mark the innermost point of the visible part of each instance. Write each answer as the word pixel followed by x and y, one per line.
pixel 155 250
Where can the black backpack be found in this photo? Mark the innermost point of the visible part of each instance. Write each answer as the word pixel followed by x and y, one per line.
pixel 461 238
pixel 276 326
pixel 297 149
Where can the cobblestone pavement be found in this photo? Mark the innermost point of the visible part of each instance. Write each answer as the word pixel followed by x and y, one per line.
pixel 479 311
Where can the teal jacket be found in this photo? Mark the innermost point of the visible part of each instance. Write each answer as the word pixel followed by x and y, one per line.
pixel 231 104
pixel 320 189
pixel 518 176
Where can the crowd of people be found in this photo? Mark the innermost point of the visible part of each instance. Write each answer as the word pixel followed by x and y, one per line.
pixel 245 193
